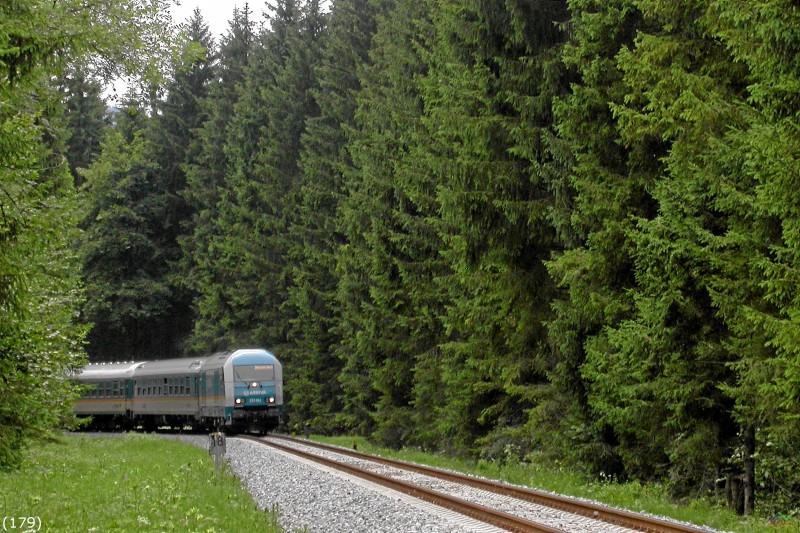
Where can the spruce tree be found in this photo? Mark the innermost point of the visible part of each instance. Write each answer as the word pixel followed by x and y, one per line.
pixel 595 271
pixel 389 324
pixel 207 165
pixel 753 170
pixel 668 358
pixel 313 338
pixel 123 263
pixel 86 120
pixel 487 109
pixel 179 117
pixel 252 274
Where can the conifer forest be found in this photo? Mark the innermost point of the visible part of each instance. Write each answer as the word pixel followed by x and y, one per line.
pixel 566 230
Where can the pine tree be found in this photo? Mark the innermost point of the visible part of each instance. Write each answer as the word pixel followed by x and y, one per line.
pixel 249 285
pixel 179 116
pixel 753 170
pixel 595 271
pixel 313 339
pixel 389 323
pixel 123 264
pixel 207 166
pixel 86 120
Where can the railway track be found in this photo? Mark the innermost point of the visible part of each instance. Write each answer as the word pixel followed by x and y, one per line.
pixel 505 520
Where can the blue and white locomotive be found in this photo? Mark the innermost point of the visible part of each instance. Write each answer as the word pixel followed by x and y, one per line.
pixel 240 390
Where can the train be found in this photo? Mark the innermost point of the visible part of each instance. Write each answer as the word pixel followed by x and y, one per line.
pixel 235 391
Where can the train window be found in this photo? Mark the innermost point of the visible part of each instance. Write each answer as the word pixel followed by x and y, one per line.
pixel 254 373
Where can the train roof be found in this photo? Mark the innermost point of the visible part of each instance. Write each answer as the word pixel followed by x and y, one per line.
pixel 184 365
pixel 179 366
pixel 246 356
pixel 108 371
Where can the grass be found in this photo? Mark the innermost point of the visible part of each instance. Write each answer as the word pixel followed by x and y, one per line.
pixel 127 483
pixel 632 496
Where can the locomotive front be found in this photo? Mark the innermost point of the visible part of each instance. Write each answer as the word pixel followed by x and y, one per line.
pixel 254 380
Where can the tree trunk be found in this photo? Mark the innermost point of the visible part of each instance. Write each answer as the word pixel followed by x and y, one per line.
pixel 749 480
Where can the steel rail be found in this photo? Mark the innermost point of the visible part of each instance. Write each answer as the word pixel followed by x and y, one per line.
pixel 476 511
pixel 619 517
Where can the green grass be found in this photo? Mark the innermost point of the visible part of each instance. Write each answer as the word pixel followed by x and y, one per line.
pixel 128 483
pixel 632 496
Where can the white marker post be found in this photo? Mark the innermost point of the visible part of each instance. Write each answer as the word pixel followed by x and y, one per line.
pixel 216 447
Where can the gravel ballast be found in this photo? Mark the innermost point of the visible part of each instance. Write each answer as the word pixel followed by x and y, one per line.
pixel 315 498
pixel 312 498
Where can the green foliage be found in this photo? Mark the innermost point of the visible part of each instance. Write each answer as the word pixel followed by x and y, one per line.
pixel 244 281
pixel 488 100
pixel 134 216
pixel 39 289
pixel 310 359
pixel 123 262
pixel 39 342
pixel 106 37
pixel 594 271
pixel 206 166
pixel 390 303
pixel 509 229
pixel 85 114
pixel 678 92
pixel 757 294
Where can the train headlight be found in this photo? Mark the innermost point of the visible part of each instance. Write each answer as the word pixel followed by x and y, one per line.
pixel 271 400
pixel 254 385
pixel 238 401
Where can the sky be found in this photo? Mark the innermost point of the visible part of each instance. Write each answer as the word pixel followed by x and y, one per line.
pixel 216 13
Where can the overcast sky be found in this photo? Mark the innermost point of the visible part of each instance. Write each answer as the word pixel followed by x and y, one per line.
pixel 216 13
